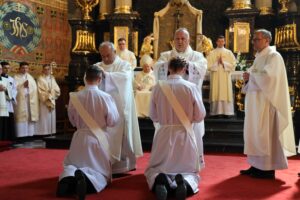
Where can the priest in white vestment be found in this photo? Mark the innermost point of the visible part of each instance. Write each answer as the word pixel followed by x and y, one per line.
pixel 174 162
pixel 48 91
pixel 126 134
pixel 27 107
pixel 268 127
pixel 195 73
pixel 87 166
pixel 8 123
pixel 125 54
pixel 220 64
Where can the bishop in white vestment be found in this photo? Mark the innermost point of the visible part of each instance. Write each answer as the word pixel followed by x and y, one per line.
pixel 48 91
pixel 27 107
pixel 220 64
pixel 126 134
pixel 195 73
pixel 175 156
pixel 268 127
pixel 87 166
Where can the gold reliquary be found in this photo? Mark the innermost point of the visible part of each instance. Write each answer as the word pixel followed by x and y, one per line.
pixel 85 42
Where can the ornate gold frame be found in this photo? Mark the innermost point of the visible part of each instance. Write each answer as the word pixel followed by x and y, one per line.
pixel 241 37
pixel 135 42
pixel 120 31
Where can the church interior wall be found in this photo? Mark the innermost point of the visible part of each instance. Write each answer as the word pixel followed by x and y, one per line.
pixel 41 35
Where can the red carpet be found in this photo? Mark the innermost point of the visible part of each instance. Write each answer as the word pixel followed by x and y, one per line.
pixel 32 174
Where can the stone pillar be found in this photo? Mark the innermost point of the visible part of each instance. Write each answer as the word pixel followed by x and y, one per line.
pixel 123 6
pixel 106 7
pixel 264 6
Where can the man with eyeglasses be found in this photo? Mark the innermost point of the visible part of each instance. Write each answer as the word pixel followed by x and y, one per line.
pixel 268 126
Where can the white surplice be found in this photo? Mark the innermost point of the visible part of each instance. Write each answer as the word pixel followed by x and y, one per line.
pixel 48 91
pixel 197 66
pixel 173 149
pixel 13 93
pixel 126 134
pixel 268 126
pixel 128 56
pixel 220 96
pixel 86 153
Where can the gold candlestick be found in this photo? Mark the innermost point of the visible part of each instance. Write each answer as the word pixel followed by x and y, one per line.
pixel 86 7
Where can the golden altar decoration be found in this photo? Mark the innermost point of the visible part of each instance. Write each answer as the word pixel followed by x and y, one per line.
pixel 86 7
pixel 176 14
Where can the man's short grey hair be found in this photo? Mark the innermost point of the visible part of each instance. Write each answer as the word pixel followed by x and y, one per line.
pixel 108 44
pixel 184 30
pixel 265 33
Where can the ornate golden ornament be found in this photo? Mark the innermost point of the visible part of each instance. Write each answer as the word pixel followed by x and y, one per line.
pixel 239 95
pixel 85 42
pixel 266 11
pixel 86 7
pixel 286 37
pixel 284 8
pixel 123 6
pixel 241 4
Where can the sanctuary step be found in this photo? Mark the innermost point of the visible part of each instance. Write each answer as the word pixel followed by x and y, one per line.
pixel 221 135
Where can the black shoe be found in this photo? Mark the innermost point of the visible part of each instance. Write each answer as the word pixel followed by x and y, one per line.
pixel 248 171
pixel 161 192
pixel 80 184
pixel 161 183
pixel 66 187
pixel 269 174
pixel 181 190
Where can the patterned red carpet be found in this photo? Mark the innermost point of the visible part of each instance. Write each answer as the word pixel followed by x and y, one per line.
pixel 32 174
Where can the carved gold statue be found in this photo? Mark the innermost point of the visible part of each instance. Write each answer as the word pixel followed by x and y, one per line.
pixel 204 44
pixel 86 7
pixel 147 48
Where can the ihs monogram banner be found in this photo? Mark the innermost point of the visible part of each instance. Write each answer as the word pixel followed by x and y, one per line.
pixel 36 31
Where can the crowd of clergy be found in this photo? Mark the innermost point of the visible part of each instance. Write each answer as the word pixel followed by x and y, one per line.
pixel 27 105
pixel 107 140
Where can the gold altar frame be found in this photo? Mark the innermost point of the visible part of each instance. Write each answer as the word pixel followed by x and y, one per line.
pixel 120 32
pixel 241 37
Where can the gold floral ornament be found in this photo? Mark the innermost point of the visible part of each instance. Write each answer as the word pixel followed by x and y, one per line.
pixel 86 7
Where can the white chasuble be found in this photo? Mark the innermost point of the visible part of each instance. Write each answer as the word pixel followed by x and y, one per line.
pixel 125 140
pixel 268 126
pixel 27 107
